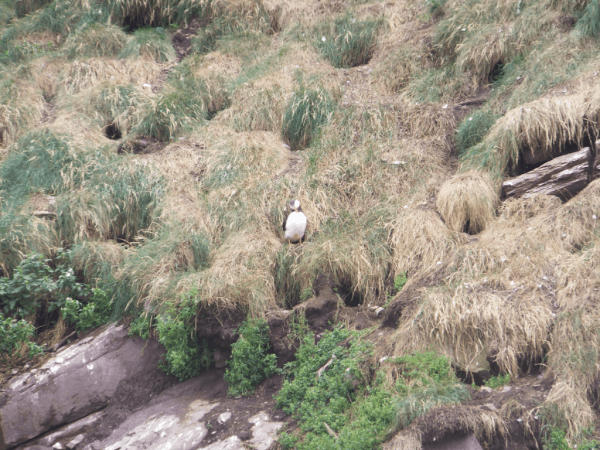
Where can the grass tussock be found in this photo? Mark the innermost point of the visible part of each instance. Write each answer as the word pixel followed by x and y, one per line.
pixel 467 202
pixel 307 110
pixel 419 240
pixel 149 273
pixel 95 41
pixel 429 119
pixel 149 43
pixel 83 74
pixel 346 41
pixel 542 128
pixel 21 106
pixel 240 274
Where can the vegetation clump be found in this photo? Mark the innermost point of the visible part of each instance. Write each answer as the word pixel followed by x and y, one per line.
pixel 250 361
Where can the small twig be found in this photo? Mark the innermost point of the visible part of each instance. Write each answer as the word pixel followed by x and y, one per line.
pixel 324 368
pixel 62 342
pixel 332 433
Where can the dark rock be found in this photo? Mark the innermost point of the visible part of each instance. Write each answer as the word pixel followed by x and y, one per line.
pixel 245 435
pixel 563 177
pixel 79 380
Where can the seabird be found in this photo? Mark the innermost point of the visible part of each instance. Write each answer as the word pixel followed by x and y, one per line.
pixel 294 225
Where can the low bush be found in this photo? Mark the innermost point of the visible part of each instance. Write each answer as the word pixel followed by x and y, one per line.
pixel 347 42
pixel 35 282
pixel 13 334
pixel 185 355
pixel 399 282
pixel 86 315
pixel 250 361
pixel 497 381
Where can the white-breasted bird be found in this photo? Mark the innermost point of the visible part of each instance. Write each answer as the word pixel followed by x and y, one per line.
pixel 294 225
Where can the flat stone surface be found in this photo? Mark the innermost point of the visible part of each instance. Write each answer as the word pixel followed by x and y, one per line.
pixel 455 442
pixel 79 380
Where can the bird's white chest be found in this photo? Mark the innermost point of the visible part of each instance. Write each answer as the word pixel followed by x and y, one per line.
pixel 295 226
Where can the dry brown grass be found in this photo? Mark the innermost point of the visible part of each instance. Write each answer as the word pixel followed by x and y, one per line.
pixel 442 421
pixel 240 275
pixel 429 119
pixel 81 74
pixel 467 202
pixel 419 240
pixel 21 107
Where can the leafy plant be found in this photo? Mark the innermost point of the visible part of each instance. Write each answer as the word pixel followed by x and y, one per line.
pixel 250 361
pixel 497 381
pixel 185 356
pixel 141 326
pixel 13 334
pixel 35 281
pixel 89 315
pixel 322 394
pixel 400 281
pixel 556 440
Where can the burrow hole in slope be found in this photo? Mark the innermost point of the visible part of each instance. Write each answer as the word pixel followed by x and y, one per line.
pixel 350 296
pixel 112 131
pixel 497 72
pixel 526 366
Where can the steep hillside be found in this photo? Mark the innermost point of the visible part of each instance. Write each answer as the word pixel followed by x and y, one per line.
pixel 148 149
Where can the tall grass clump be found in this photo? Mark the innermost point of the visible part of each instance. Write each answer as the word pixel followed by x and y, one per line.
pixel 95 40
pixel 42 161
pixel 467 202
pixel 307 110
pixel 346 41
pixel 150 43
pixel 473 129
pixel 589 23
pixel 21 105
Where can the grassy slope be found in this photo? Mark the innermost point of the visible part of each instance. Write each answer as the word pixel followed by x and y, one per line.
pixel 372 165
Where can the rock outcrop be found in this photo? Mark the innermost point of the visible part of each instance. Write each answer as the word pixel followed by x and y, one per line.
pixel 563 177
pixel 80 380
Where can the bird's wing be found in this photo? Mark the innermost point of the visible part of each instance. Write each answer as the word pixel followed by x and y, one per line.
pixel 284 223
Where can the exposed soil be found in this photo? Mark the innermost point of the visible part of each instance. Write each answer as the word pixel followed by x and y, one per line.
pixel 182 38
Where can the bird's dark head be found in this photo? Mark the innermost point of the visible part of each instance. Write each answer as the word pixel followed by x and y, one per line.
pixel 295 206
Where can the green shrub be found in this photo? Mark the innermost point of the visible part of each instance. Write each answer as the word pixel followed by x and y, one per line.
pixel 185 356
pixel 13 334
pixel 332 397
pixel 141 326
pixel 473 129
pixel 94 313
pixel 555 439
pixel 400 281
pixel 35 281
pixel 250 361
pixel 347 42
pixel 306 112
pixel 497 381
pixel 426 381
